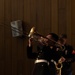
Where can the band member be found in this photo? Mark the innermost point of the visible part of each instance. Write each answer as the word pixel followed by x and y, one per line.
pixel 45 52
pixel 68 55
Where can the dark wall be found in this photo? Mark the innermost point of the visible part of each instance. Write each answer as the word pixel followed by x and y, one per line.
pixel 46 15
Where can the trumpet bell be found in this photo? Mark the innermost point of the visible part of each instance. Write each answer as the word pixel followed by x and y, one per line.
pixel 33 34
pixel 32 31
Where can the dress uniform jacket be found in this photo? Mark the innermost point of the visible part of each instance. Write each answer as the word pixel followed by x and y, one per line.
pixel 43 54
pixel 70 58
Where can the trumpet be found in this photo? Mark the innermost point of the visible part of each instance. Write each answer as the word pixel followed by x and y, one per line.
pixel 38 37
pixel 58 66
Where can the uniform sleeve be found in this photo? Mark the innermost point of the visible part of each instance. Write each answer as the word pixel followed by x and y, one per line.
pixel 71 56
pixel 30 54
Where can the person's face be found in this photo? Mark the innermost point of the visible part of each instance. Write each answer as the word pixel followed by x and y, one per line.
pixel 50 38
pixel 65 40
pixel 62 41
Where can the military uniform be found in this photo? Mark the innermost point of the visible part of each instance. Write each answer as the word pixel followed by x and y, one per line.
pixel 43 64
pixel 70 58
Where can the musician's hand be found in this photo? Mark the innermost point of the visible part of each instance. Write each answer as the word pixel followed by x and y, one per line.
pixel 30 41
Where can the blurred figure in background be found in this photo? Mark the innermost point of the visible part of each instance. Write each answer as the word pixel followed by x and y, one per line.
pixel 68 55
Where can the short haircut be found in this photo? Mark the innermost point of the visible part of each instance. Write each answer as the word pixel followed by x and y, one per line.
pixel 63 36
pixel 54 36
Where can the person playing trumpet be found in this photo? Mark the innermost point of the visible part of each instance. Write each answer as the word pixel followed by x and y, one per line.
pixel 46 50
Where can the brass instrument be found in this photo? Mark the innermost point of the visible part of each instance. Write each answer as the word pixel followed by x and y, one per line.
pixel 58 67
pixel 35 35
pixel 38 37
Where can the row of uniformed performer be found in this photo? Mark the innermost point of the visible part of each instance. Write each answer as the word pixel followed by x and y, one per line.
pixel 48 50
pixel 68 54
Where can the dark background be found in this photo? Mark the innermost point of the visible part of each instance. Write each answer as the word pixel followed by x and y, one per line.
pixel 46 15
